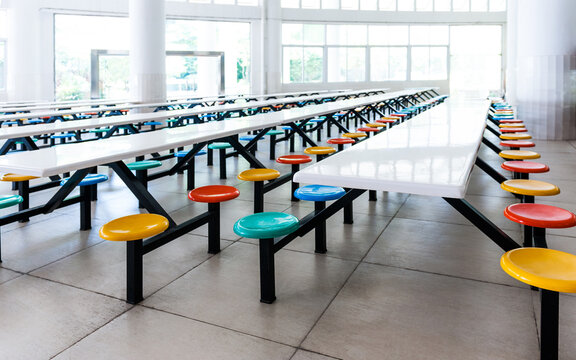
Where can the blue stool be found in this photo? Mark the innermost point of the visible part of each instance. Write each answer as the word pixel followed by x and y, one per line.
pixel 153 124
pixel 272 134
pixel 265 227
pixel 13 122
pixel 87 189
pixel 35 121
pixel 318 123
pixel 62 137
pixel 190 167
pixel 7 201
pixel 249 138
pixel 141 168
pixel 319 194
pixel 208 117
pixel 221 147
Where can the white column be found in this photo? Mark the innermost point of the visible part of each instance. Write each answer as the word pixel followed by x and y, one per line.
pixel 23 54
pixel 545 85
pixel 147 50
pixel 272 46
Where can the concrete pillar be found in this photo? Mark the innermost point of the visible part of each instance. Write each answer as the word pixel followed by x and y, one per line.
pixel 271 46
pixel 147 50
pixel 23 54
pixel 544 85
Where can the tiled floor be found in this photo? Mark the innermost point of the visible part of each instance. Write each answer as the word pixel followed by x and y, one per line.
pixel 410 279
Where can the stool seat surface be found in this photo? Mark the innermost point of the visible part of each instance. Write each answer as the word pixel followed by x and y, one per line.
pixel 259 174
pixel 354 135
pixel 319 150
pixel 63 136
pixel 525 167
pixel 219 145
pixel 375 125
pixel 293 159
pixel 319 193
pixel 275 132
pixel 517 143
pixel 183 153
pixel 144 165
pixel 513 130
pixel 519 154
pixel 540 215
pixel 213 193
pixel 249 138
pixel 266 225
pixel 16 177
pixel 543 268
pixel 511 121
pixel 150 123
pixel 386 121
pixel 340 141
pixel 512 125
pixel 367 129
pixel 90 179
pixel 515 136
pixel 134 227
pixel 399 114
pixel 530 187
pixel 10 200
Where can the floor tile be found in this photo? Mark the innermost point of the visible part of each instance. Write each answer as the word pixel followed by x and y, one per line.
pixel 6 275
pixel 41 318
pixel 384 313
pixel 225 291
pixel 307 355
pixel 143 333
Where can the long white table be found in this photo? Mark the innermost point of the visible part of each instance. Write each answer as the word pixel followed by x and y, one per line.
pixel 432 154
pixel 25 132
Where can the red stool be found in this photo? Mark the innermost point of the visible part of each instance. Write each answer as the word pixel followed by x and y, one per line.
pixel 388 122
pixel 368 130
pixel 295 161
pixel 521 169
pixel 539 217
pixel 340 142
pixel 513 130
pixel 517 144
pixel 510 121
pixel 213 195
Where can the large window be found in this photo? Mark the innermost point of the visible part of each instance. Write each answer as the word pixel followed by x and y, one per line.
pixel 2 49
pixel 396 5
pixel 222 2
pixel 356 53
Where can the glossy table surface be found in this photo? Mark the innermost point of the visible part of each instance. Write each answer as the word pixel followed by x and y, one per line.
pixel 430 154
pixel 67 126
pixel 69 157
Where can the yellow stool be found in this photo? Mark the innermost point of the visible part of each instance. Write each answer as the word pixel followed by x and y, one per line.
pixel 530 188
pixel 132 229
pixel 354 135
pixel 519 154
pixel 320 151
pixel 376 125
pixel 22 184
pixel 258 176
pixel 515 136
pixel 515 125
pixel 552 271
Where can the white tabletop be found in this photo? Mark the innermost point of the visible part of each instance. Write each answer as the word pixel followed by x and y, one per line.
pixel 68 126
pixel 431 154
pixel 70 157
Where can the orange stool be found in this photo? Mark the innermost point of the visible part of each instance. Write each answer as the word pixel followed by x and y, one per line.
pixel 295 161
pixel 517 144
pixel 340 142
pixel 521 169
pixel 368 130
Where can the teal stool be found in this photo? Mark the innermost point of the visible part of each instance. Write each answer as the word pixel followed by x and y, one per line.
pixel 190 167
pixel 221 147
pixel 87 189
pixel 319 194
pixel 272 134
pixel 265 227
pixel 7 201
pixel 141 168
pixel 99 132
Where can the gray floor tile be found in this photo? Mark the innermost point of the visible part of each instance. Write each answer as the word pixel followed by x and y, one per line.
pixel 307 355
pixel 7 275
pixel 384 313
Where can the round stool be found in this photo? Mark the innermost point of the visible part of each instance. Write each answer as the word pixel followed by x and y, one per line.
pixel 62 137
pixel 22 184
pixel 265 227
pixel 249 138
pixel 521 169
pixel 539 217
pixel 7 201
pixel 132 229
pixel 221 147
pixel 213 195
pixel 340 142
pixel 258 176
pixel 320 151
pixel 517 144
pixel 510 121
pixel 530 188
pixel 376 125
pixel 515 137
pixel 519 154
pixel 153 124
pixel 87 193
pixel 505 130
pixel 190 167
pixel 295 161
pixel 141 168
pixel 355 135
pixel 319 194
pixel 368 130
pixel 272 134
pixel 552 271
pixel 511 125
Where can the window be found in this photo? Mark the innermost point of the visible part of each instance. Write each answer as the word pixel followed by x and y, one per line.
pixel 390 5
pixel 424 5
pixel 3 31
pixel 303 53
pixel 405 5
pixel 429 63
pixel 346 64
pixel 388 63
pixel 387 5
pixel 222 2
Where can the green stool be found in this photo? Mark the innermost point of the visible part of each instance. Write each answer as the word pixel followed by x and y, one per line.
pixel 266 226
pixel 141 168
pixel 221 147
pixel 272 134
pixel 7 201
